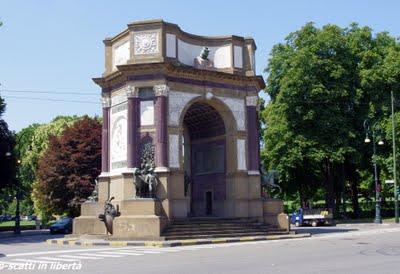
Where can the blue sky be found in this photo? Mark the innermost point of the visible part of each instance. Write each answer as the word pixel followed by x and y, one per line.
pixel 56 46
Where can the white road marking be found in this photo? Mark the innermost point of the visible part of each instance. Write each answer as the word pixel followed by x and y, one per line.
pixel 80 257
pixel 53 252
pixel 171 249
pixel 58 259
pixel 128 253
pixel 33 261
pixel 114 253
pixel 100 255
pixel 12 263
pixel 150 252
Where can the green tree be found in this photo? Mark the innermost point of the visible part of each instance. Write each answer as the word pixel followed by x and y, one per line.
pixel 69 167
pixel 33 141
pixel 322 84
pixel 7 161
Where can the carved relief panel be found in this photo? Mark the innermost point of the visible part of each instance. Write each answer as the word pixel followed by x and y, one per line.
pixel 146 43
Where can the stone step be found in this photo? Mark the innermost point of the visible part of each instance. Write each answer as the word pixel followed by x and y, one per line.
pixel 217 224
pixel 213 220
pixel 219 235
pixel 221 231
pixel 212 228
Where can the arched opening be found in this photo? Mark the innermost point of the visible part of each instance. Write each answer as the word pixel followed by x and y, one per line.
pixel 204 149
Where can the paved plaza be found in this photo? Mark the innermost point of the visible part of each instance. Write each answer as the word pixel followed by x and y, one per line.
pixel 354 248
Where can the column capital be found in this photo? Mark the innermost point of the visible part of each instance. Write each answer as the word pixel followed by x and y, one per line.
pixel 252 101
pixel 106 101
pixel 132 91
pixel 161 90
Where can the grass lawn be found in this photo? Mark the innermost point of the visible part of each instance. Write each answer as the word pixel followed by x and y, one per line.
pixel 12 223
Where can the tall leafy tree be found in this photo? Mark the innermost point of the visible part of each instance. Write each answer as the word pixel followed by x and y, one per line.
pixel 322 84
pixel 68 168
pixel 33 141
pixel 7 160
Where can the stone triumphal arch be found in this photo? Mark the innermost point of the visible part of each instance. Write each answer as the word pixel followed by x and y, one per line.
pixel 180 136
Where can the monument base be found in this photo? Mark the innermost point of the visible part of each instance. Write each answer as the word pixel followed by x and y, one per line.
pixel 140 219
pixel 139 227
pixel 88 222
pixel 273 214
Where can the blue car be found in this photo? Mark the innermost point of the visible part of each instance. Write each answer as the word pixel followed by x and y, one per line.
pixel 64 225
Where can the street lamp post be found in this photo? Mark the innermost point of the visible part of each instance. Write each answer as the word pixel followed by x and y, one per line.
pixel 368 130
pixel 396 196
pixel 17 228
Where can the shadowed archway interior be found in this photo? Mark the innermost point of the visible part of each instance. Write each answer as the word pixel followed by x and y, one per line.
pixel 203 121
pixel 205 161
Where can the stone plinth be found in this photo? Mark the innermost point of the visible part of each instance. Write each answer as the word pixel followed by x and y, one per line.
pixel 140 206
pixel 273 214
pixel 88 222
pixel 145 227
pixel 140 219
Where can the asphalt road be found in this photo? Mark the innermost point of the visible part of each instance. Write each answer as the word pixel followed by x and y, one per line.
pixel 342 249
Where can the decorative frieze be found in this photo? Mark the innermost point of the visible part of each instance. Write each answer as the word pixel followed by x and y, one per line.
pixel 132 91
pixel 251 100
pixel 161 90
pixel 146 43
pixel 106 101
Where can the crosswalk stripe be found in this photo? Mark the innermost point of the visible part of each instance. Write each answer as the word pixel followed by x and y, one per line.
pixel 100 255
pixel 134 253
pixel 150 252
pixel 80 257
pixel 168 250
pixel 113 253
pixel 11 263
pixel 58 259
pixel 33 261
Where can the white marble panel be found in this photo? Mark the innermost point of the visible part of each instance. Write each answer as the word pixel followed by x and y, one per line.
pixel 121 53
pixel 118 139
pixel 236 105
pixel 171 45
pixel 177 101
pixel 173 151
pixel 238 56
pixel 146 113
pixel 241 154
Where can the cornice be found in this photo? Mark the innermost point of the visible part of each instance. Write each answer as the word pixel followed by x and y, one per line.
pixel 170 70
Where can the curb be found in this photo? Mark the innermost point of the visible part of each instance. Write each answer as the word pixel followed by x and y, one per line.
pixel 78 242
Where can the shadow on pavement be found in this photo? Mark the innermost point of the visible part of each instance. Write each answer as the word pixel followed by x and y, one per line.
pixel 322 230
pixel 31 236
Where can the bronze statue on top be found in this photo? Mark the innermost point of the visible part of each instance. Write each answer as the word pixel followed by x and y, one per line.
pixel 202 61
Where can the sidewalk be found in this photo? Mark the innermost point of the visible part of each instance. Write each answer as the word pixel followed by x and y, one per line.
pixel 24 233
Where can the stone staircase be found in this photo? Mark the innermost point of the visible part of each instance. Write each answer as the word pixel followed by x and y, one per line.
pixel 203 228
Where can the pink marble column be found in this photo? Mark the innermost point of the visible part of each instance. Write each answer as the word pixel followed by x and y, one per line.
pixel 161 114
pixel 105 136
pixel 253 143
pixel 133 127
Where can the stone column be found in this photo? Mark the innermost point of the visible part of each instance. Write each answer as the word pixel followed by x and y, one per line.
pixel 253 135
pixel 133 127
pixel 105 136
pixel 161 93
